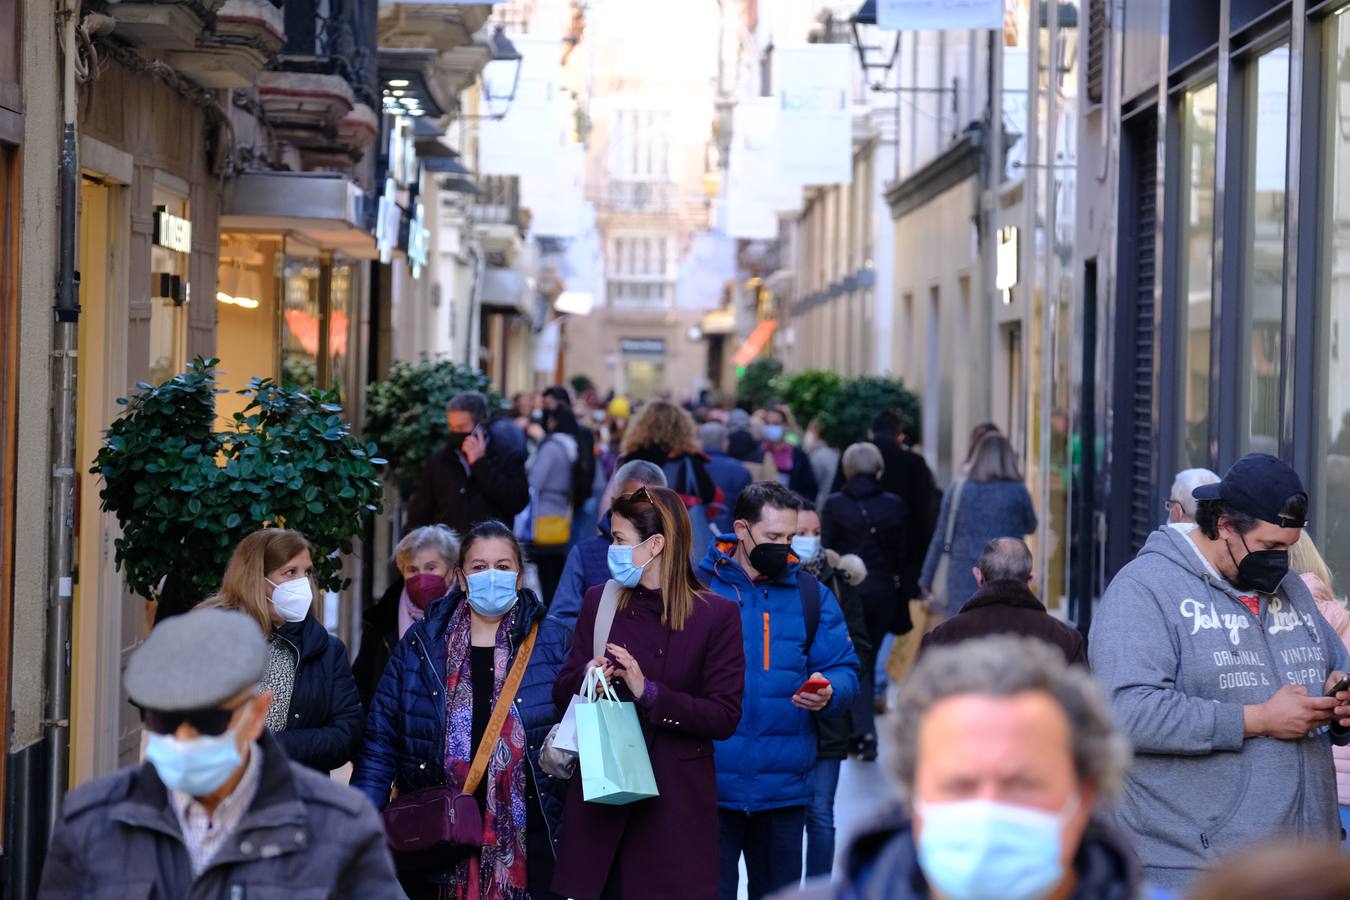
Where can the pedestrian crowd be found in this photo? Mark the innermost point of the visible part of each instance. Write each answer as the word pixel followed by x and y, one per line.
pixel 626 649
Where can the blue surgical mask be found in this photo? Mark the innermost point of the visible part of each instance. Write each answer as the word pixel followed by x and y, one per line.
pixel 196 766
pixel 492 592
pixel 773 433
pixel 982 850
pixel 622 567
pixel 806 546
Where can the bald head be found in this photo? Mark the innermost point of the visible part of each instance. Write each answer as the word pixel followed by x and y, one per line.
pixel 1004 559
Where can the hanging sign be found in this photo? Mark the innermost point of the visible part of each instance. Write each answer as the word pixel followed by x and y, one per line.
pixel 813 85
pixel 757 189
pixel 172 232
pixel 418 238
pixel 387 221
pixel 940 15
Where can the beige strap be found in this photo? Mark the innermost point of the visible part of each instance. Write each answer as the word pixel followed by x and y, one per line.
pixel 604 618
pixel 504 700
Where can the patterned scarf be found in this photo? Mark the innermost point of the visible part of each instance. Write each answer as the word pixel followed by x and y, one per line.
pixel 498 873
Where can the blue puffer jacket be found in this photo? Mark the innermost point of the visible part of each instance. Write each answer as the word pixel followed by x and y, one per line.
pixel 587 565
pixel 768 763
pixel 405 731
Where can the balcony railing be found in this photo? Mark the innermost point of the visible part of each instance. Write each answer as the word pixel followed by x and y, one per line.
pixel 498 201
pixel 334 37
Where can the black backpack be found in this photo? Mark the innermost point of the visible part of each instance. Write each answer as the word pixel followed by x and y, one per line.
pixel 583 470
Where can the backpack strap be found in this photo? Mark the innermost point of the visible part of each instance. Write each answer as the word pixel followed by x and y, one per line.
pixel 809 587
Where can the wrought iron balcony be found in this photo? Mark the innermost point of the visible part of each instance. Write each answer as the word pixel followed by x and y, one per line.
pixel 498 201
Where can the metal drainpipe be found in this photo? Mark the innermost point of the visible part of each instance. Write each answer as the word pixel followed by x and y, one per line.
pixel 61 535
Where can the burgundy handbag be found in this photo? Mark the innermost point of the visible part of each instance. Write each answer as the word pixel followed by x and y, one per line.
pixel 433 828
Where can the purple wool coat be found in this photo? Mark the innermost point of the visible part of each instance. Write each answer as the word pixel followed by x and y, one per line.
pixel 667 846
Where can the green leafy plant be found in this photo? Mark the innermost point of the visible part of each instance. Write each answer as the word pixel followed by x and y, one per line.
pixel 810 393
pixel 581 384
pixel 405 412
pixel 848 418
pixel 758 385
pixel 185 493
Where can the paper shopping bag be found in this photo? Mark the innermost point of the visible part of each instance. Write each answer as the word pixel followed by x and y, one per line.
pixel 615 768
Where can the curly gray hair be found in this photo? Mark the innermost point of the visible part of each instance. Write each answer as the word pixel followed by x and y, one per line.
pixel 440 538
pixel 1001 666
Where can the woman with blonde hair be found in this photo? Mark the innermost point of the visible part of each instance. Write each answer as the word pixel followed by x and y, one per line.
pixel 316 710
pixel 1306 561
pixel 666 435
pixel 675 650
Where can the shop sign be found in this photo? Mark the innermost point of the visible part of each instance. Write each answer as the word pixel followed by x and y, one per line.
pixel 939 15
pixel 387 221
pixel 402 151
pixel 1006 274
pixel 418 238
pixel 643 346
pixel 172 232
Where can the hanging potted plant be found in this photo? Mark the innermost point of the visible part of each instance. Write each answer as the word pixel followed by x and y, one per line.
pixel 185 493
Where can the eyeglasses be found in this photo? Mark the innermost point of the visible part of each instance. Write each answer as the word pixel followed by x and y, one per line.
pixel 211 722
pixel 1168 504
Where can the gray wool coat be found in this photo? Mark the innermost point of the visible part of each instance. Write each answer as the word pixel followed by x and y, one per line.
pixel 304 837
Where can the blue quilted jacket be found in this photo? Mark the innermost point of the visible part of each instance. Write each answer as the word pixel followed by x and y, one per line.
pixel 768 762
pixel 587 565
pixel 405 730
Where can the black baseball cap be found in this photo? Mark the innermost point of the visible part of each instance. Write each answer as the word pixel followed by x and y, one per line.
pixel 1262 487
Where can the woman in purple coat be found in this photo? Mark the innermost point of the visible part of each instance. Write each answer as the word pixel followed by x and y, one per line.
pixel 675 648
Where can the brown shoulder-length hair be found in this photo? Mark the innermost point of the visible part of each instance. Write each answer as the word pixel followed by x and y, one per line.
pixel 244 586
pixel 994 460
pixel 664 424
pixel 657 510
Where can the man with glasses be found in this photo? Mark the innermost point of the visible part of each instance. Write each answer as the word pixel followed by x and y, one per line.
pixel 217 809
pixel 1225 677
pixel 1179 507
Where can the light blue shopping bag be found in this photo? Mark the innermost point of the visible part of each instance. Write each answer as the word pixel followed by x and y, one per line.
pixel 615 768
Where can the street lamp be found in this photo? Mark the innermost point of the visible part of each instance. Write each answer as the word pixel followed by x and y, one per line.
pixel 872 57
pixel 503 53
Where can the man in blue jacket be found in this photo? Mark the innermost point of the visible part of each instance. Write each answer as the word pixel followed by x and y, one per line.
pixel 794 634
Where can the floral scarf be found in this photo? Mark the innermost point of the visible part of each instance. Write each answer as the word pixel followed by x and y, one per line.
pixel 498 872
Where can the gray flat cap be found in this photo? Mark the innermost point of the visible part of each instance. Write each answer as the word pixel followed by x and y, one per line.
pixel 198 660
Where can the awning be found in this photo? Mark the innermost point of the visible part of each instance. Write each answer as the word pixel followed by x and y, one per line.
pixel 866 14
pixel 721 321
pixel 755 343
pixel 324 209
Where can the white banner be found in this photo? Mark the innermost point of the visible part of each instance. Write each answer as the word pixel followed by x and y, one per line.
pixel 528 140
pixel 546 346
pixel 812 85
pixel 940 15
pixel 556 198
pixel 757 187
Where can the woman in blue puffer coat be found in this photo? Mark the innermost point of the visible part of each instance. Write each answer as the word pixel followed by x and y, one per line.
pixel 450 667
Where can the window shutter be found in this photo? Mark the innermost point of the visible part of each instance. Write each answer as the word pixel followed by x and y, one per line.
pixel 1096 51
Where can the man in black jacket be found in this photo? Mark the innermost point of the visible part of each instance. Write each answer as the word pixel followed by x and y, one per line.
pixel 479 475
pixel 1004 604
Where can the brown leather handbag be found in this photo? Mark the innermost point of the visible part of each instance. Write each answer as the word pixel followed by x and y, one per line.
pixel 435 827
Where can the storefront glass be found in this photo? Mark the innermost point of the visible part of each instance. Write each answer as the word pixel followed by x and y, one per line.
pixel 340 324
pixel 301 316
pixel 169 295
pixel 1331 506
pixel 1199 149
pixel 1263 261
pixel 246 313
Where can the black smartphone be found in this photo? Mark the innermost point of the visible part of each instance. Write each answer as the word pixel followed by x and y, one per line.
pixel 1342 685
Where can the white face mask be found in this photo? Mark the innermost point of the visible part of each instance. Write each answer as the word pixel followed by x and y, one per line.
pixel 292 599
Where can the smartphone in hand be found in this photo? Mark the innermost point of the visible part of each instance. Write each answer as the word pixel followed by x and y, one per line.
pixel 1342 685
pixel 813 686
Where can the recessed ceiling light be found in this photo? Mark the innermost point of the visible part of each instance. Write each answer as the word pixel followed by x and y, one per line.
pixel 417 112
pixel 396 93
pixel 408 101
pixel 398 82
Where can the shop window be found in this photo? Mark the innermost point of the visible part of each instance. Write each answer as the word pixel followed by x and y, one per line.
pixel 1199 116
pixel 340 323
pixel 1263 259
pixel 169 290
pixel 301 316
pixel 1332 504
pixel 246 313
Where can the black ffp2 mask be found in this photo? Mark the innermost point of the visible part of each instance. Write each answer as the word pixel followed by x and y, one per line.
pixel 771 560
pixel 1261 570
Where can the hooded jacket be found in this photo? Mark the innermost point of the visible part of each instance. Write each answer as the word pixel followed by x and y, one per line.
pixel 1180 655
pixel 842 575
pixel 883 864
pixel 1339 620
pixel 551 475
pixel 769 762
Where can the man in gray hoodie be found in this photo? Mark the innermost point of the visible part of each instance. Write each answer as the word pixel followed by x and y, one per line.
pixel 1217 663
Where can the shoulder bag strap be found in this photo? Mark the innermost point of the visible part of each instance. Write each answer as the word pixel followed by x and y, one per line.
pixel 951 516
pixel 504 700
pixel 604 618
pixel 862 508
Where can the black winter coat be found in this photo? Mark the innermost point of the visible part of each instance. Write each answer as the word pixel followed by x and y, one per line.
pixel 495 487
pixel 832 732
pixel 1008 607
pixel 907 475
pixel 304 835
pixel 865 520
pixel 379 636
pixel 323 725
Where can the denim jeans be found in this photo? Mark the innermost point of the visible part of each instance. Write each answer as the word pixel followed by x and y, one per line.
pixel 820 819
pixel 1345 825
pixel 772 843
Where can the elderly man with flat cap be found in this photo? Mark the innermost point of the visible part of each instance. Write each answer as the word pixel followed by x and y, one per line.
pixel 217 810
pixel 1225 677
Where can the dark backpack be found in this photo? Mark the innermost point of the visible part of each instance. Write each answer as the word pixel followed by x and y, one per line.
pixel 583 470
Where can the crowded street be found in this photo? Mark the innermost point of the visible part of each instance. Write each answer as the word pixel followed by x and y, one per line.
pixel 674 449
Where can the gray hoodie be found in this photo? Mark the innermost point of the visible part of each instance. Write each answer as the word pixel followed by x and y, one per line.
pixel 551 475
pixel 1180 656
